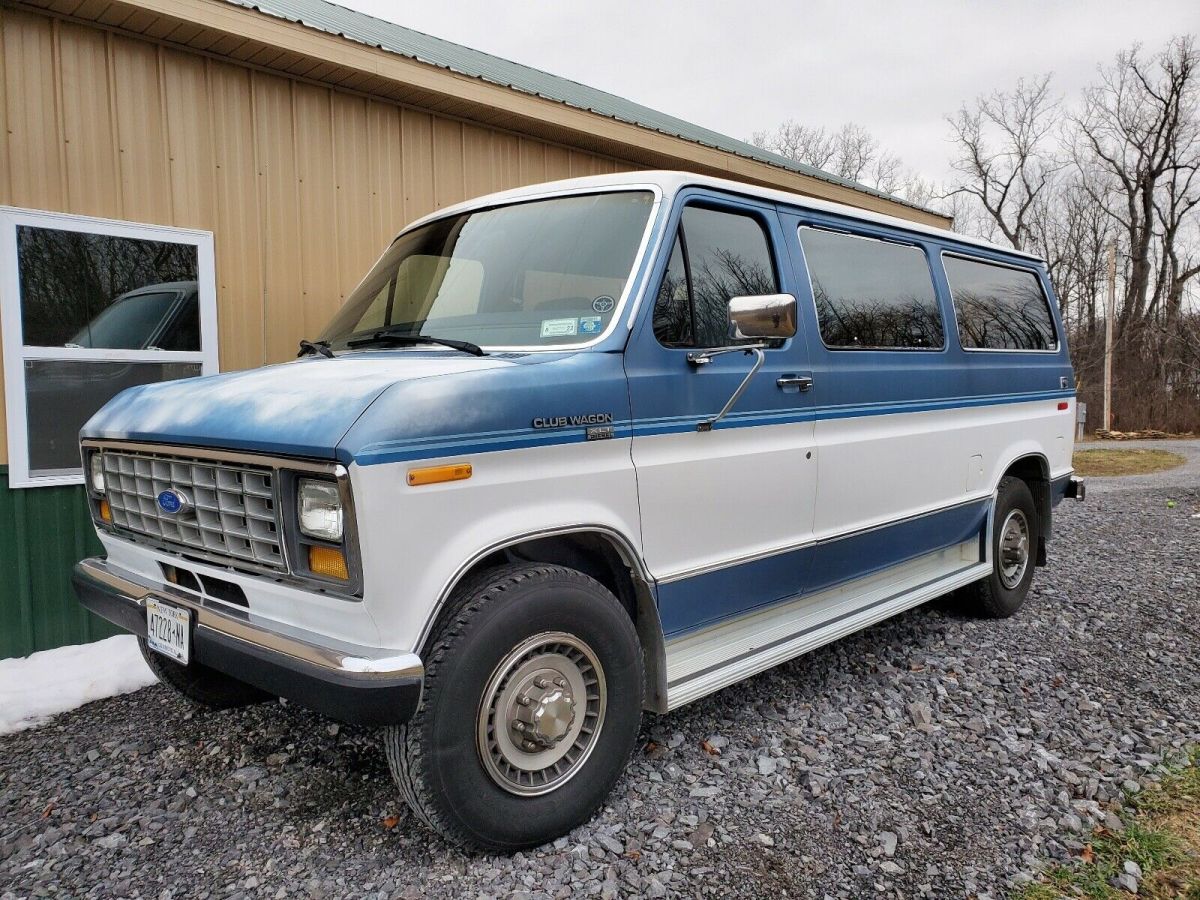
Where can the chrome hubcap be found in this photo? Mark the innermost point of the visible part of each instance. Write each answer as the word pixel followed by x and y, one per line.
pixel 541 713
pixel 1014 549
pixel 545 710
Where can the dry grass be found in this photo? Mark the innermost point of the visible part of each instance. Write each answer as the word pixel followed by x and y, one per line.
pixel 1124 462
pixel 1173 807
pixel 1162 835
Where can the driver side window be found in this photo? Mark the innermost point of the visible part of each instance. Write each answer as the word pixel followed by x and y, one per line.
pixel 717 255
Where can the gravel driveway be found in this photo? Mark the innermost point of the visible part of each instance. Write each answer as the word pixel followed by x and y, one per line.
pixel 930 755
pixel 1186 475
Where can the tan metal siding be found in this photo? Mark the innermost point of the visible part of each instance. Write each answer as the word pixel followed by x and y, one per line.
pixel 301 185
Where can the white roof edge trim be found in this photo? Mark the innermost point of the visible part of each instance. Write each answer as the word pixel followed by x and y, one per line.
pixel 670 182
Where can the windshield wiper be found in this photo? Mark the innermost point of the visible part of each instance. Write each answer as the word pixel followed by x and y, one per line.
pixel 405 337
pixel 319 347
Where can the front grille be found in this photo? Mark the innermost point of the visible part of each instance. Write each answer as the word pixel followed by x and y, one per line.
pixel 231 511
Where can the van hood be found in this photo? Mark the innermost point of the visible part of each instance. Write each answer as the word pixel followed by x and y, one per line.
pixel 300 408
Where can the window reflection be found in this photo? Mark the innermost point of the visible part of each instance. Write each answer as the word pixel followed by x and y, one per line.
pixel 999 308
pixel 871 294
pixel 717 256
pixel 80 289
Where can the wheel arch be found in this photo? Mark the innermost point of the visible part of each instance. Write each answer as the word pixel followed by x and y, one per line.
pixel 598 551
pixel 1033 468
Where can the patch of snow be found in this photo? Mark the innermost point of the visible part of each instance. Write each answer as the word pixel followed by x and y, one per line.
pixel 52 681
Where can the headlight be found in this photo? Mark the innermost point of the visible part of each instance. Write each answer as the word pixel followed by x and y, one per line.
pixel 319 508
pixel 96 465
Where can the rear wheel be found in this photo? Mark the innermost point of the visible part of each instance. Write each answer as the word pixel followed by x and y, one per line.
pixel 531 707
pixel 200 684
pixel 1015 535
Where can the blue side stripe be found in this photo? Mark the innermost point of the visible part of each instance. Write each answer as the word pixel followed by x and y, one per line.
pixel 702 600
pixel 522 438
pixel 667 425
pixel 518 439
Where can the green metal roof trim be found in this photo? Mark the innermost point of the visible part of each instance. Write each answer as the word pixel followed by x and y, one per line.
pixel 365 29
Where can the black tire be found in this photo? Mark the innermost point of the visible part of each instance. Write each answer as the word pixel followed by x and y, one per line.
pixel 437 758
pixel 998 597
pixel 200 684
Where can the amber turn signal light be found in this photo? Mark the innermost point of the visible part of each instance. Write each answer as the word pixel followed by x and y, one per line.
pixel 105 511
pixel 438 474
pixel 327 561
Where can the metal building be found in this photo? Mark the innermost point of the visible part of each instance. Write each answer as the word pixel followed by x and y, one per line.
pixel 267 152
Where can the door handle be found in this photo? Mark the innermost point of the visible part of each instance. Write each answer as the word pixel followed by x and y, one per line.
pixel 792 383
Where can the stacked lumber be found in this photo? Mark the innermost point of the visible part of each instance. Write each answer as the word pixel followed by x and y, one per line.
pixel 1149 434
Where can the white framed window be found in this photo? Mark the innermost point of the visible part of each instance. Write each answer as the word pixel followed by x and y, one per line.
pixel 88 308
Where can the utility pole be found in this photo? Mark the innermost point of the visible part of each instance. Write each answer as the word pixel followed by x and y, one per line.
pixel 1110 313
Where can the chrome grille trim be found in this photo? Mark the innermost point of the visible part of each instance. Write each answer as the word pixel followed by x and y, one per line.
pixel 234 512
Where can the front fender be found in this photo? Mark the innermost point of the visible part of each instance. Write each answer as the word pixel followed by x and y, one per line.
pixel 416 541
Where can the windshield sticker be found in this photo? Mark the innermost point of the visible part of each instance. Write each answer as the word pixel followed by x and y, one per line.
pixel 603 303
pixel 559 327
pixel 591 324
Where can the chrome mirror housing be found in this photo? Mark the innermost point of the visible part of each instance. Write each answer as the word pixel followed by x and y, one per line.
pixel 763 316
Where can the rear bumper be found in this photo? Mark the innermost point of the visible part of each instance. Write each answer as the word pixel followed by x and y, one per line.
pixel 359 685
pixel 1076 489
pixel 1068 487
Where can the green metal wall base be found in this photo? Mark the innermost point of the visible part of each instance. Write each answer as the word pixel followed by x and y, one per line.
pixel 43 532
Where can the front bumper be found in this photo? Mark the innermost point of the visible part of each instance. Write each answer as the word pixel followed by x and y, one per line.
pixel 359 685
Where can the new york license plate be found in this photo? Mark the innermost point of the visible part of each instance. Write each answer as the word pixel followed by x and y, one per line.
pixel 167 629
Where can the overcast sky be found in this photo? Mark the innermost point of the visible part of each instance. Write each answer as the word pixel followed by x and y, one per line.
pixel 737 67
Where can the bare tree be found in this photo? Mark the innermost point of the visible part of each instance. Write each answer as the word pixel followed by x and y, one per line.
pixel 850 152
pixel 1072 233
pixel 1139 127
pixel 1179 228
pixel 1004 154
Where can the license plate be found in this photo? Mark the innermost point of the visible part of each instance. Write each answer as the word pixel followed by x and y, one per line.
pixel 167 629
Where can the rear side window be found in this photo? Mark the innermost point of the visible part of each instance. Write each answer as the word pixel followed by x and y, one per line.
pixel 717 255
pixel 871 294
pixel 999 307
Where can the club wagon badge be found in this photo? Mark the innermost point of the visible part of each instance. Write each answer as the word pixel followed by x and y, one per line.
pixel 173 502
pixel 573 421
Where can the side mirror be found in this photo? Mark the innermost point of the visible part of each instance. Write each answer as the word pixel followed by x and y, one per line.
pixel 764 316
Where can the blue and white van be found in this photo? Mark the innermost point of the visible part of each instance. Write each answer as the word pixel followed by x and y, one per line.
pixel 580 450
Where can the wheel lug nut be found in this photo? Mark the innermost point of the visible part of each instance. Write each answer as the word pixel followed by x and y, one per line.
pixel 541 683
pixel 523 700
pixel 561 682
pixel 518 726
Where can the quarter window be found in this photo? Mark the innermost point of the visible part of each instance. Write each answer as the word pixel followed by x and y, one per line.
pixel 717 255
pixel 91 307
pixel 999 307
pixel 871 294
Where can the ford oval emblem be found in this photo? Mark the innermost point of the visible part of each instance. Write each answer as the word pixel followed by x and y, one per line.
pixel 172 502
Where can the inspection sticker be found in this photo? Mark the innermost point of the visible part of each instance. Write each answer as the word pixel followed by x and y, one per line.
pixel 591 324
pixel 559 327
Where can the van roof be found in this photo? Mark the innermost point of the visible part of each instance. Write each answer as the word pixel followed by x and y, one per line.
pixel 671 182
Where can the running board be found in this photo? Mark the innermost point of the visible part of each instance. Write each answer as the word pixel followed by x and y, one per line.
pixel 708 660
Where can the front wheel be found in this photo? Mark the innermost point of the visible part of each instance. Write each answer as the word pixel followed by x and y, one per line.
pixel 1015 534
pixel 200 684
pixel 531 707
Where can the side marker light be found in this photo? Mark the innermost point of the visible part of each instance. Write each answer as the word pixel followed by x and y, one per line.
pixel 439 474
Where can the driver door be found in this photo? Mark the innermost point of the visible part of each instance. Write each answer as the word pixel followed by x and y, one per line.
pixel 725 513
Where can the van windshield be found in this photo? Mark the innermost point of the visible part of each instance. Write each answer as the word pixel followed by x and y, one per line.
pixel 130 323
pixel 544 273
